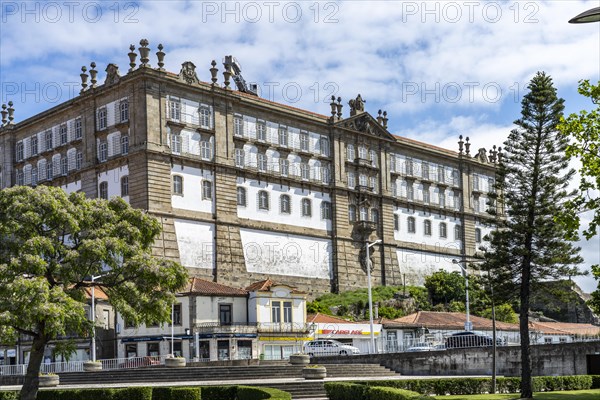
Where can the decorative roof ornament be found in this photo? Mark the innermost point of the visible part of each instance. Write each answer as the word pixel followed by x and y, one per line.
pixel 493 154
pixel 500 155
pixel 161 57
pixel 11 112
pixel 188 73
pixel 379 117
pixel 467 147
pixel 339 106
pixel 84 78
pixel 357 105
pixel 333 108
pixel 385 119
pixel 4 113
pixel 112 74
pixel 93 75
pixel 213 72
pixel 132 56
pixel 144 53
pixel 227 74
pixel 460 144
pixel 482 155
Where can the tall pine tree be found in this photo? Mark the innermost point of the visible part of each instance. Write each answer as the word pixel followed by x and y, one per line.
pixel 528 247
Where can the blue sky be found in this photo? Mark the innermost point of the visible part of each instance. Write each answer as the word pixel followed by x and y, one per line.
pixel 440 69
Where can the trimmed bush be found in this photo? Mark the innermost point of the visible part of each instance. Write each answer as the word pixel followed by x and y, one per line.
pixel 176 393
pixel 595 381
pixel 345 391
pixel 261 393
pixel 9 395
pixel 388 393
pixel 133 393
pixel 218 392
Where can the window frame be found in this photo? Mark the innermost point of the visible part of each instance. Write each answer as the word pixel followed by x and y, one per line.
pixel 411 225
pixel 207 189
pixel 125 186
pixel 177 186
pixel 242 194
pixel 103 190
pixel 263 200
pixel 285 204
pixel 427 227
pixel 306 207
pixel 443 230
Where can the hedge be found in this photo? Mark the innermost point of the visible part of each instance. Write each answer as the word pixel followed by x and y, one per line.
pixel 9 395
pixel 387 393
pixel 176 393
pixel 132 393
pixel 262 393
pixel 595 381
pixel 218 392
pixel 345 390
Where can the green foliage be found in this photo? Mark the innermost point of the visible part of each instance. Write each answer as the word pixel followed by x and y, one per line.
pixel 391 312
pixel 132 393
pixel 255 393
pixel 50 245
pixel 6 395
pixel 314 307
pixel 504 313
pixel 421 297
pixel 176 393
pixel 386 393
pixel 445 287
pixel 345 391
pixel 595 381
pixel 218 392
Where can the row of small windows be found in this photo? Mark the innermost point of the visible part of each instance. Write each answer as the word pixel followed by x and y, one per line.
pixel 424 170
pixel 48 140
pixel 363 214
pixel 103 188
pixel 121 114
pixel 363 154
pixel 427 228
pixel 112 147
pixel 363 180
pixel 302 170
pixel 285 203
pixel 46 170
pixel 206 190
pixel 178 147
pixel 283 136
pixel 203 118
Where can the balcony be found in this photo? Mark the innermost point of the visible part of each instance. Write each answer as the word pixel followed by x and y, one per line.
pixel 284 327
pixel 366 227
pixel 216 327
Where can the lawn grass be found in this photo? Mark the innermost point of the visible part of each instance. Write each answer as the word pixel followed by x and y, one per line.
pixel 592 394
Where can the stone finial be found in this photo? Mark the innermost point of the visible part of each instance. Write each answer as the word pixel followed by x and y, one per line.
pixel 379 117
pixel 132 56
pixel 93 75
pixel 11 112
pixel 385 119
pixel 144 53
pixel 500 155
pixel 213 72
pixel 161 57
pixel 467 147
pixel 227 75
pixel 333 108
pixel 460 144
pixel 339 106
pixel 493 154
pixel 84 78
pixel 4 113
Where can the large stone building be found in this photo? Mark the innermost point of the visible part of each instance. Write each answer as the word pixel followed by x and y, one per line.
pixel 246 188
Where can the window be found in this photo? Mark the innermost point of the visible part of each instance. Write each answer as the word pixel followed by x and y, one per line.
pixel 206 190
pixel 103 152
pixel 364 214
pixel 49 171
pixel 239 158
pixel 427 227
pixel 34 176
pixel 103 192
pixel 410 191
pixel 176 314
pixel 442 198
pixel 491 185
pixel 457 197
pixel 20 177
pixel 477 235
pixel 287 311
pixel 440 174
pixel 283 136
pixel 284 166
pixel 125 186
pixel 352 213
pixel 102 118
pixel 48 140
pixel 394 189
pixel 176 143
pixel 306 208
pixel 305 171
pixel 392 163
pixel 373 158
pixel 175 109
pixel 362 152
pixel 276 311
pixel 324 146
pixel 326 175
pixel 455 178
pixel 425 171
pixel 443 230
pixel 373 184
pixel 241 196
pixel 153 349
pixel 225 314
pixel 475 182
pixel 396 222
pixel 261 131
pixel 409 167
pixel 78 129
pixel 304 144
pixel 34 145
pixel 205 118
pixel 457 232
pixel 476 204
pixel 131 350
pixel 178 185
pixel 375 215
pixel 284 204
pixel 19 150
pixel 350 152
pixel 64 166
pixel 125 145
pixel 263 200
pixel 326 210
pixel 78 160
pixel 362 180
pixel 205 150
pixel 262 162
pixel 124 111
pixel 411 225
pixel 426 194
pixel 238 126
pixel 351 180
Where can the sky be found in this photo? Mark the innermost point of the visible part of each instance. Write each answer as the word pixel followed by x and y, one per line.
pixel 439 68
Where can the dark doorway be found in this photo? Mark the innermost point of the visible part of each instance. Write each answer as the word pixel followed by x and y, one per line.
pixel 593 364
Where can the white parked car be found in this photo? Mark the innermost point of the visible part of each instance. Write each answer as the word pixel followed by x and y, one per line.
pixel 329 348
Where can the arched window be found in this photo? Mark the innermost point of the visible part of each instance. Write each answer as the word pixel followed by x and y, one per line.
pixel 103 190
pixel 352 213
pixel 178 185
pixel 477 235
pixel 350 155
pixel 285 204
pixel 427 227
pixel 263 200
pixel 410 222
pixel 306 208
pixel 241 196
pixel 443 230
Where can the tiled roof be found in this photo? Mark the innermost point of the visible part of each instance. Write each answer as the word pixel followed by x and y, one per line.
pixel 265 286
pixel 564 328
pixel 204 287
pixel 99 293
pixel 326 319
pixel 448 320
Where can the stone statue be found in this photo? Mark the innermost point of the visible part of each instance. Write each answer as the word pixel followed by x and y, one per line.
pixel 357 105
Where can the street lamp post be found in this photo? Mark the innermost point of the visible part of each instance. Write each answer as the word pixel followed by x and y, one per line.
pixel 94 317
pixel 368 265
pixel 468 325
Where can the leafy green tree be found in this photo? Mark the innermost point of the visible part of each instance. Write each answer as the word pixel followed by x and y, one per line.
pixel 584 131
pixel 504 313
pixel 528 246
pixel 50 246
pixel 445 287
